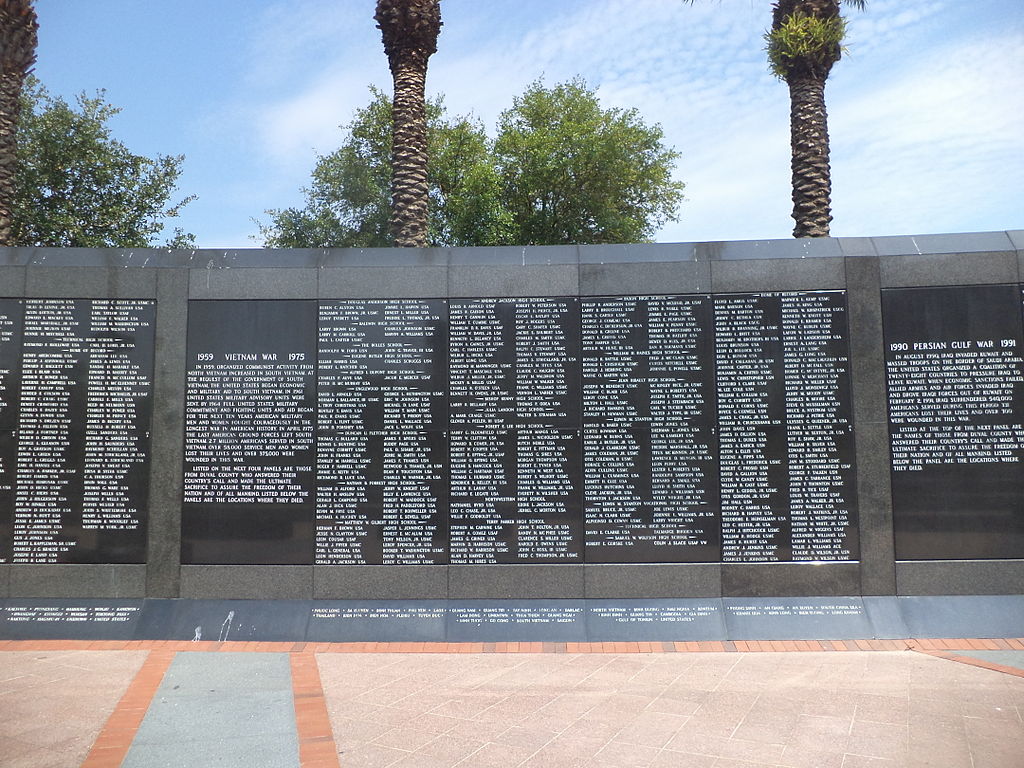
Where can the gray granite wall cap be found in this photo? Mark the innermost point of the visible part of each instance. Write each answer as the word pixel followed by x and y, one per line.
pixel 385 257
pixel 796 248
pixel 1017 238
pixel 515 255
pixel 638 252
pixel 852 247
pixel 254 258
pixel 960 242
pixel 16 257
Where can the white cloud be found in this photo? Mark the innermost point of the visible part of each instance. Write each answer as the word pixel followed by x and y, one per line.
pixel 922 125
pixel 923 151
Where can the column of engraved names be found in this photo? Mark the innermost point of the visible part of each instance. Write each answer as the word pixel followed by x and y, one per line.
pixel 382 409
pixel 118 414
pixel 52 357
pixel 649 460
pixel 751 432
pixel 514 445
pixel 83 431
pixel 819 432
pixel 11 311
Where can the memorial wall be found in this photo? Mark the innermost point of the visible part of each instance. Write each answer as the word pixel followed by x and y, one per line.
pixel 836 417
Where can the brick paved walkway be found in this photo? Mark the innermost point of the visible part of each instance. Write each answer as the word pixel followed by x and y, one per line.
pixel 66 704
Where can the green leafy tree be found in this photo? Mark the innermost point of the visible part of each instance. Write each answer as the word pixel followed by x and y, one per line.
pixel 77 186
pixel 18 38
pixel 803 44
pixel 573 172
pixel 562 170
pixel 347 203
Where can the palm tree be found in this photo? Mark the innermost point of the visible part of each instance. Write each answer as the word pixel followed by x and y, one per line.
pixel 409 29
pixel 804 42
pixel 18 28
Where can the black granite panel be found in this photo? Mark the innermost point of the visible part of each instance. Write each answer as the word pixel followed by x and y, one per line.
pixel 955 362
pixel 654 620
pixel 514 443
pixel 653 580
pixel 516 621
pixel 383 582
pixel 247 582
pixel 505 582
pixel 382 452
pixel 250 417
pixel 801 618
pixel 75 461
pixel 383 282
pixel 786 447
pixel 11 324
pixel 353 621
pixel 36 619
pixel 790 579
pixel 977 616
pixel 650 451
pixel 5 580
pixel 960 577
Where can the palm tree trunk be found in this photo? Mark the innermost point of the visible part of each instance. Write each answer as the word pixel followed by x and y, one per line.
pixel 812 183
pixel 409 190
pixel 10 92
pixel 18 39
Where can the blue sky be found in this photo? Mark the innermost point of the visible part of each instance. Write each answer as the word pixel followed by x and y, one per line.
pixel 926 114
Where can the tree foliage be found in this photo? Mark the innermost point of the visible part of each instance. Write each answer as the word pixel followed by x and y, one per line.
pixel 561 170
pixel 347 205
pixel 18 37
pixel 77 186
pixel 573 172
pixel 804 40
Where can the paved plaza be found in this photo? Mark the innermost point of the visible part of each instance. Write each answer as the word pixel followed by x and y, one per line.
pixel 65 704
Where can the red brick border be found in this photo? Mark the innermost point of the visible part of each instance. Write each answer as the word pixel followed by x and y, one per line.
pixel 976 662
